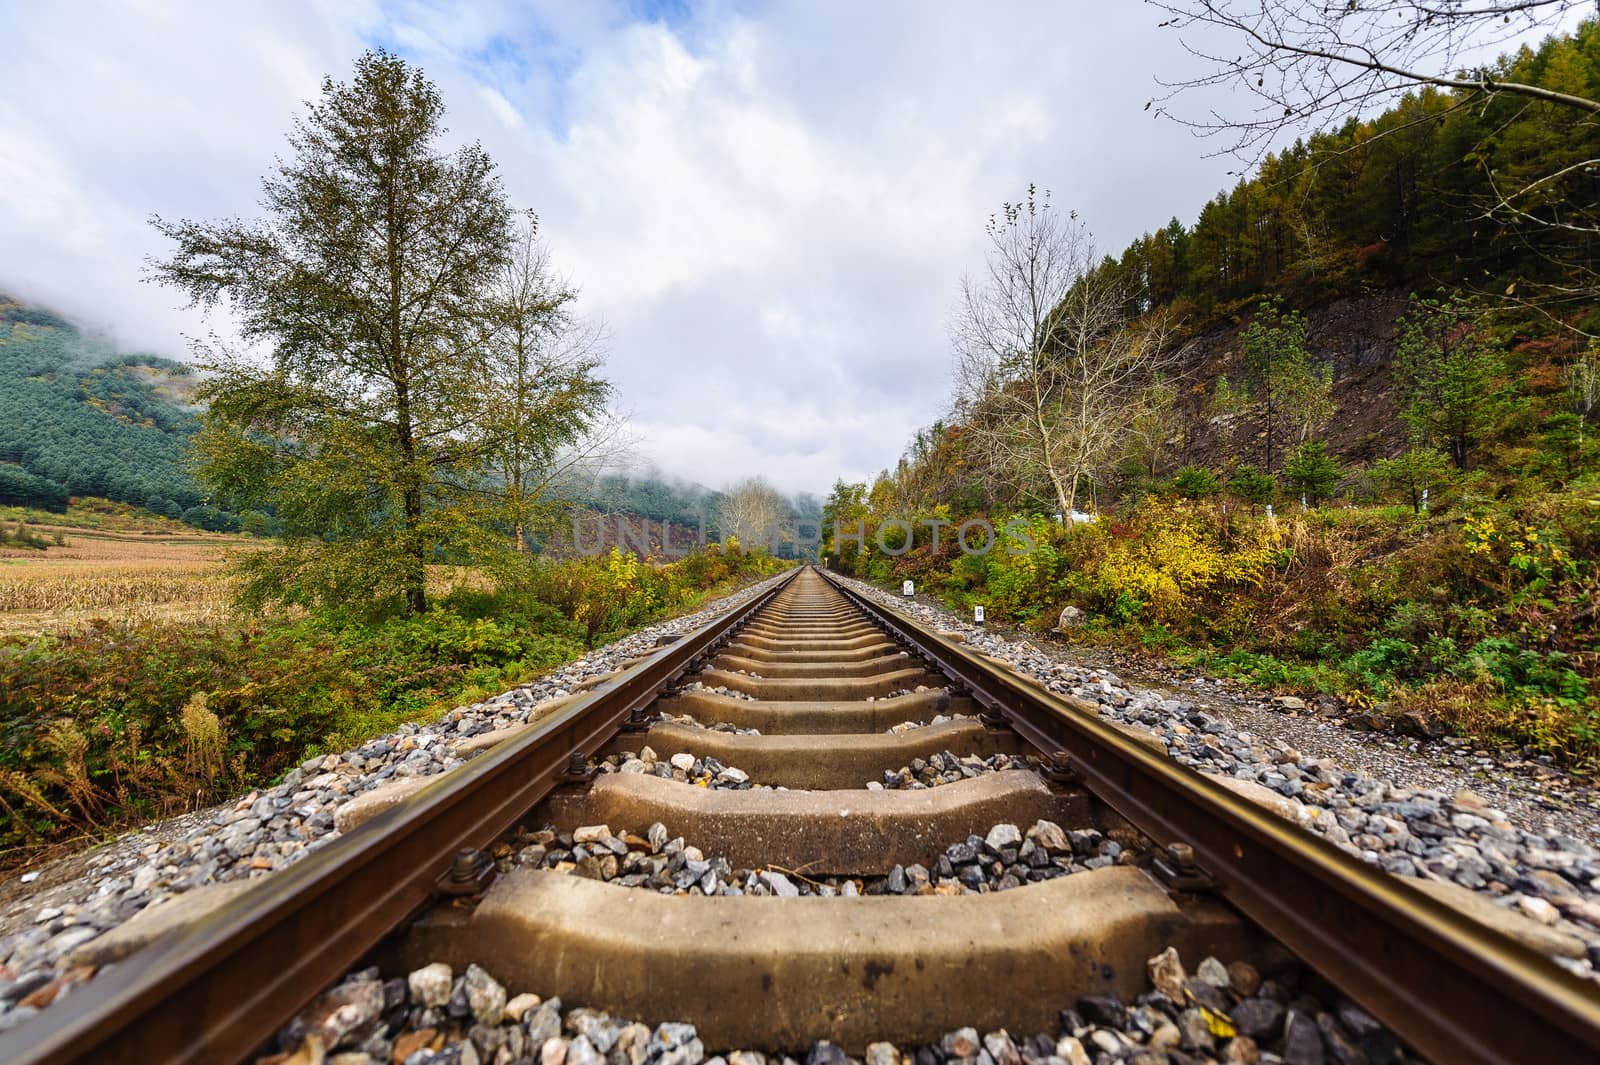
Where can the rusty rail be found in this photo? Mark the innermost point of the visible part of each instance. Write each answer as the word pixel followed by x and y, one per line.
pixel 216 991
pixel 1455 990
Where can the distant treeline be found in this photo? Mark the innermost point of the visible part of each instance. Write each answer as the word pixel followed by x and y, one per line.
pixel 1382 202
pixel 657 498
pixel 648 496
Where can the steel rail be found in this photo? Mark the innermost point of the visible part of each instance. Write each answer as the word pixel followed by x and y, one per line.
pixel 216 991
pixel 1454 989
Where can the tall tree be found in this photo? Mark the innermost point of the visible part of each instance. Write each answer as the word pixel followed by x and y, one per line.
pixel 544 402
pixel 367 279
pixel 1445 370
pixel 753 512
pixel 1296 387
pixel 1050 363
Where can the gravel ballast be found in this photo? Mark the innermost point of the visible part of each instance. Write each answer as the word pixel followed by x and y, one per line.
pixel 1221 1013
pixel 1004 858
pixel 1418 822
pixel 47 913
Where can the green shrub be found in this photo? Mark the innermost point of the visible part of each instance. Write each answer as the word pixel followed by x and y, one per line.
pixel 1194 482
pixel 1253 486
pixel 1312 471
pixel 125 721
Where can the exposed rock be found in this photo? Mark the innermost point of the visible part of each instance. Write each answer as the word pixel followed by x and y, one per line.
pixel 485 997
pixel 1167 975
pixel 430 985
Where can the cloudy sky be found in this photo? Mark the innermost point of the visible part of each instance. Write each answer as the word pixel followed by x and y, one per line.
pixel 769 205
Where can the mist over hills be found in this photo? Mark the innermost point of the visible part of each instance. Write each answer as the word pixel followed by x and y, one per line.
pixel 80 418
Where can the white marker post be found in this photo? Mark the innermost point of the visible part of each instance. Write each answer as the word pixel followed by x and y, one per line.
pixel 977 615
pixel 908 588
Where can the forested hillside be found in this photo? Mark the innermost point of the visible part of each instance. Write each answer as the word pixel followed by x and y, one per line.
pixel 78 418
pixel 1405 199
pixel 1337 436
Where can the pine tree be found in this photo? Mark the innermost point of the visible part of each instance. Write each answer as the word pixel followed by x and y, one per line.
pixel 1413 474
pixel 1445 372
pixel 368 279
pixel 1250 485
pixel 1312 471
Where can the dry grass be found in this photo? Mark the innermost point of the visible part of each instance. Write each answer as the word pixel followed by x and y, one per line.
pixel 99 585
pixel 81 545
pixel 130 577
pixel 41 596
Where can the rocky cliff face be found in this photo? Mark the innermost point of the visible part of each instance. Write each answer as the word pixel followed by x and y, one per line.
pixel 1356 334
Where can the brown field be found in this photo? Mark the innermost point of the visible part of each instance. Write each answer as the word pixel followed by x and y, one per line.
pixel 115 576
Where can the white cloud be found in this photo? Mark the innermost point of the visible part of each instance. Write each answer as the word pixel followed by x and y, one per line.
pixel 769 207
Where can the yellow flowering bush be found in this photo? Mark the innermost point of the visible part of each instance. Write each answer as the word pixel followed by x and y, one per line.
pixel 1175 558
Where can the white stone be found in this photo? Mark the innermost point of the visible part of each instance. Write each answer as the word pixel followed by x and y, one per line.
pixel 430 985
pixel 1070 1049
pixel 1003 836
pixel 1539 909
pixel 520 1005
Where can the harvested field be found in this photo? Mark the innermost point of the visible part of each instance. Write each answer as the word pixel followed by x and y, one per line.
pixel 115 576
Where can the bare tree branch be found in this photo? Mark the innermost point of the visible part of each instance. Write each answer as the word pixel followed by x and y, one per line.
pixel 1310 63
pixel 1050 369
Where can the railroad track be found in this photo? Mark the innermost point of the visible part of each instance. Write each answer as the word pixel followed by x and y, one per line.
pixel 1027 856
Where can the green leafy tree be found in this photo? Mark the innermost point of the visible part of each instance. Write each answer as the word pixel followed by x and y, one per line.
pixel 368 280
pixel 1445 370
pixel 544 401
pixel 846 510
pixel 1311 470
pixel 1412 474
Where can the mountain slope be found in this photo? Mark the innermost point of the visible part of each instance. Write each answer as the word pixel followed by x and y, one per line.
pixel 79 418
